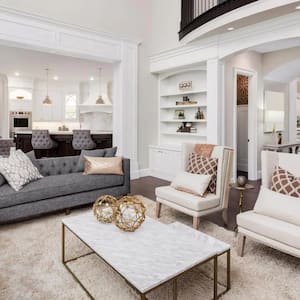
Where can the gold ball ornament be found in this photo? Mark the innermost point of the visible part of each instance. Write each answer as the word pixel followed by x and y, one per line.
pixel 104 209
pixel 130 213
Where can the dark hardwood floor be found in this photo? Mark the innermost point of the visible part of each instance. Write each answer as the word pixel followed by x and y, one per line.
pixel 146 186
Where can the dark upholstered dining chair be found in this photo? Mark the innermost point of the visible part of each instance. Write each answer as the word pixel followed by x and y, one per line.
pixel 41 140
pixel 82 140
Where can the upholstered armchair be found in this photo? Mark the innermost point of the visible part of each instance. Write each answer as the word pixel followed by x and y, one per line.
pixel 274 221
pixel 194 205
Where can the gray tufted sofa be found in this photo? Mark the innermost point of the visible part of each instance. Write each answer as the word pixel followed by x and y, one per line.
pixel 61 188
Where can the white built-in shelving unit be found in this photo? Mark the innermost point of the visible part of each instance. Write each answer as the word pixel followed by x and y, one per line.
pixel 169 93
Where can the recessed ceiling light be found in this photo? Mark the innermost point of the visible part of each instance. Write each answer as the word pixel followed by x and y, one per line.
pixel 55 77
pixel 17 74
pixel 92 78
pixel 230 28
pixel 298 7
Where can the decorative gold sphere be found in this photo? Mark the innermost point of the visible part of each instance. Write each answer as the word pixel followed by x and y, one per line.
pixel 130 213
pixel 104 208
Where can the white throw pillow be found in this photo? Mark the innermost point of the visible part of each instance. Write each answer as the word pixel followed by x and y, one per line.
pixel 191 183
pixel 18 170
pixel 282 207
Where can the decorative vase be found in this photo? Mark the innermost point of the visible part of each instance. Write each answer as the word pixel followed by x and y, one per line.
pixel 241 181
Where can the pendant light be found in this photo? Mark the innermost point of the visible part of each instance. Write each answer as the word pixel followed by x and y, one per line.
pixel 47 99
pixel 100 99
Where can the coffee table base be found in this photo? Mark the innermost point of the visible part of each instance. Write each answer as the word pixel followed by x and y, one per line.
pixel 143 295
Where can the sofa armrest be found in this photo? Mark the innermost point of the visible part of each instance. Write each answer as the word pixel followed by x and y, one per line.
pixel 126 170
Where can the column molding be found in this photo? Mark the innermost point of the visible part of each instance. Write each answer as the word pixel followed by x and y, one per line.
pixel 215 102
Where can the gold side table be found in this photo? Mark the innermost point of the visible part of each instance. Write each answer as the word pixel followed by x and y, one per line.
pixel 242 189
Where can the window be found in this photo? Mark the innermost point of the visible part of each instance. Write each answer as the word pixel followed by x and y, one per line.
pixel 71 107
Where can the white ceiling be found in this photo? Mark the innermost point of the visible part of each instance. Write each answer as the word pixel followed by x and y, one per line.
pixel 32 64
pixel 286 72
pixel 278 45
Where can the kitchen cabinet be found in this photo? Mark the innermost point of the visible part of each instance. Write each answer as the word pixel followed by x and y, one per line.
pixel 164 162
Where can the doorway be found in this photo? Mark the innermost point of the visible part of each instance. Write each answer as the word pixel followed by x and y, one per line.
pixel 245 122
pixel 242 124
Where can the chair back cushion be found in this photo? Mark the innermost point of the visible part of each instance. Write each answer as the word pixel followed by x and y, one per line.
pixel 224 156
pixel 270 160
pixel 278 206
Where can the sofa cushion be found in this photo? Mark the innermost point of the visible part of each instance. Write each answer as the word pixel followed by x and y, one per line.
pixel 278 206
pixel 199 164
pixel 191 183
pixel 54 186
pixel 108 152
pixel 57 165
pixel 18 170
pixel 271 228
pixel 285 182
pixel 187 200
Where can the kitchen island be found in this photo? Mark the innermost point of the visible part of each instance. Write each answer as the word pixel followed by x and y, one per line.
pixel 103 139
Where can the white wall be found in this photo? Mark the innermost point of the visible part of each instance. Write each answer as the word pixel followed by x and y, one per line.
pixel 127 18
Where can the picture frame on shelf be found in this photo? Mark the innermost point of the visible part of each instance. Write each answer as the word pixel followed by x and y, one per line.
pixel 179 114
pixel 185 85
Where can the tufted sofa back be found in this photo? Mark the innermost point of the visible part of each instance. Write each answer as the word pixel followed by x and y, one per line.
pixel 57 165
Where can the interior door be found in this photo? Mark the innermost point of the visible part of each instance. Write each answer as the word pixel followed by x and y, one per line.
pixel 242 138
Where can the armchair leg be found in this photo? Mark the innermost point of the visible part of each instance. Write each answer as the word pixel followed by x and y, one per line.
pixel 158 209
pixel 241 244
pixel 196 222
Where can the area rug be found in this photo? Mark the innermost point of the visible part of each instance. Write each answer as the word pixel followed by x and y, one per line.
pixel 31 268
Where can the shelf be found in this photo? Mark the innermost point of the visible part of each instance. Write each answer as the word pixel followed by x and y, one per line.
pixel 182 106
pixel 183 120
pixel 183 93
pixel 184 134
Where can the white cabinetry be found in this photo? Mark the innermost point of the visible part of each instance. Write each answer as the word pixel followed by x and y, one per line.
pixel 164 162
pixel 171 104
pixel 20 94
pixel 165 159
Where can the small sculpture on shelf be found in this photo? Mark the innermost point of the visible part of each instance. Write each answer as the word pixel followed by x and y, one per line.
pixel 186 127
pixel 199 114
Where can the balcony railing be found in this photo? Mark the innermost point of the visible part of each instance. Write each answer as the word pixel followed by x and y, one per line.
pixel 195 13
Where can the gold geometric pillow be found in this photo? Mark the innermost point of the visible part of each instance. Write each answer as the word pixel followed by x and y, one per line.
pixel 285 183
pixel 198 164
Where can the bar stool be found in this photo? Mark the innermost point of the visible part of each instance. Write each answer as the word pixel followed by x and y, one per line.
pixel 5 146
pixel 82 140
pixel 42 143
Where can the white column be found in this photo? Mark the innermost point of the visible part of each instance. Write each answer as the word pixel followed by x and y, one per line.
pixel 4 113
pixel 215 102
pixel 291 116
pixel 125 105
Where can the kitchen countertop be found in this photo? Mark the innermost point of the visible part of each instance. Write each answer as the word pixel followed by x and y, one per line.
pixel 93 132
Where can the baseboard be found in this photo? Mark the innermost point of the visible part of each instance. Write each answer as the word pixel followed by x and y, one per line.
pixel 145 172
pixel 259 174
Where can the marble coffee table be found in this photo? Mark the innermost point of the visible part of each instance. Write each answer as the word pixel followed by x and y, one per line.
pixel 151 256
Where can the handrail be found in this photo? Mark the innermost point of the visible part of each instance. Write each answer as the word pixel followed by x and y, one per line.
pixel 195 13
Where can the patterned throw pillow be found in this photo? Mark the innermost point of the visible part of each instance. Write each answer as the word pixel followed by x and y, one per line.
pixel 204 149
pixel 198 164
pixel 285 182
pixel 18 170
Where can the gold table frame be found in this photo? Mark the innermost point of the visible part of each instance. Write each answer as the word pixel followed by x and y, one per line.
pixel 143 294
